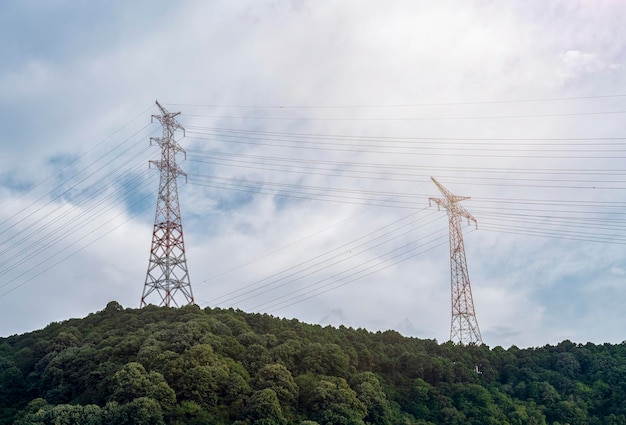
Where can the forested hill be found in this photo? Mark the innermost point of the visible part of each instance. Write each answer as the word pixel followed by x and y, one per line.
pixel 213 366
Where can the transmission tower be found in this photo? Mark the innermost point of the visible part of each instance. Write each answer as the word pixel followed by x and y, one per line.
pixel 464 327
pixel 167 279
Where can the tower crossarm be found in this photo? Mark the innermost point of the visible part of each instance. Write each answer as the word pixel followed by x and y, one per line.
pixel 173 168
pixel 168 144
pixel 451 202
pixel 168 120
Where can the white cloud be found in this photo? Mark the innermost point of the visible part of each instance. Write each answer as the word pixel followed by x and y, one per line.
pixel 88 81
pixel 618 271
pixel 575 64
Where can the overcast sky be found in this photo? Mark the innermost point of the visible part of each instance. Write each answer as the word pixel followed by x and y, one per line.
pixel 312 131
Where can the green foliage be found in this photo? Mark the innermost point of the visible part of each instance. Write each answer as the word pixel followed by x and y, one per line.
pixel 326 359
pixel 63 414
pixel 223 367
pixel 12 384
pixel 277 378
pixel 140 411
pixel 263 408
pixel 370 392
pixel 133 382
pixel 335 403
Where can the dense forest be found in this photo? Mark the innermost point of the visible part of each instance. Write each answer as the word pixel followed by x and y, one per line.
pixel 217 366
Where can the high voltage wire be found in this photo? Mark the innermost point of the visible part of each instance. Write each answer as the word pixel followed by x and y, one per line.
pixel 320 193
pixel 308 196
pixel 570 223
pixel 612 145
pixel 313 291
pixel 563 183
pixel 57 220
pixel 573 215
pixel 78 223
pixel 103 185
pixel 525 231
pixel 314 234
pixel 592 184
pixel 61 186
pixel 320 265
pixel 412 140
pixel 421 167
pixel 558 230
pixel 296 186
pixel 72 162
pixel 395 119
pixel 405 177
pixel 137 202
pixel 80 248
pixel 260 288
pixel 548 220
pixel 314 195
pixel 527 201
pixel 299 139
pixel 581 154
pixel 565 221
pixel 387 138
pixel 368 196
pixel 410 105
pixel 95 179
pixel 285 165
pixel 48 240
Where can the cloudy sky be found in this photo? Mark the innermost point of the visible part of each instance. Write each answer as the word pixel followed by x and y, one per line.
pixel 312 131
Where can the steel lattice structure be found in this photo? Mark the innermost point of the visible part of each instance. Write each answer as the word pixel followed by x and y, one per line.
pixel 167 279
pixel 464 327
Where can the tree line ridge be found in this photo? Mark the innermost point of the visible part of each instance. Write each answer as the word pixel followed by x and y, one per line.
pixel 160 365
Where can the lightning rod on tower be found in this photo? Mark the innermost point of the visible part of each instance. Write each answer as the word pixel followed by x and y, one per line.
pixel 167 279
pixel 464 326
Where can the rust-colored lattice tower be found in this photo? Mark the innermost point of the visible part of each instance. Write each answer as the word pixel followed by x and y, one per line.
pixel 167 280
pixel 464 328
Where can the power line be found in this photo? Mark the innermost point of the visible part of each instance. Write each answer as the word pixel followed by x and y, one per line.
pixel 57 253
pixel 412 118
pixel 410 105
pixel 433 151
pixel 590 220
pixel 311 235
pixel 372 269
pixel 64 190
pixel 72 162
pixel 74 224
pixel 279 135
pixel 271 282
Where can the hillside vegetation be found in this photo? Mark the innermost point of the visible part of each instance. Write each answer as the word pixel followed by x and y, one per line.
pixel 215 366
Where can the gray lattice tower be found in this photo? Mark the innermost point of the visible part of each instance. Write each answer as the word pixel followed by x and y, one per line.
pixel 167 279
pixel 464 327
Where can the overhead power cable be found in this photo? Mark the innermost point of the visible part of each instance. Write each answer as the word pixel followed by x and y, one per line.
pixel 408 105
pixel 23 279
pixel 589 165
pixel 408 150
pixel 38 205
pixel 408 118
pixel 71 225
pixel 409 173
pixel 337 281
pixel 106 180
pixel 312 235
pixel 387 138
pixel 72 162
pixel 59 214
pixel 319 263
